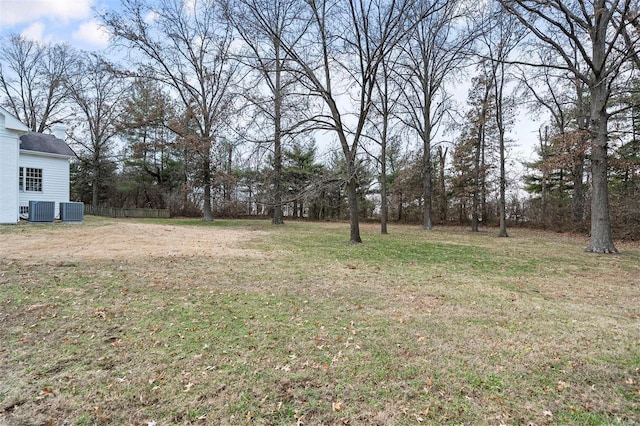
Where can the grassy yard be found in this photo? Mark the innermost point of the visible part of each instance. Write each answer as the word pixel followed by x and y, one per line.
pixel 415 327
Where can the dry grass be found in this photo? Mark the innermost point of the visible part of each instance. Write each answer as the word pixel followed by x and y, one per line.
pixel 178 322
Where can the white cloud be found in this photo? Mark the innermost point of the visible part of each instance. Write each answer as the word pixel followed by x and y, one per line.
pixel 151 17
pixel 190 6
pixel 14 12
pixel 34 32
pixel 91 33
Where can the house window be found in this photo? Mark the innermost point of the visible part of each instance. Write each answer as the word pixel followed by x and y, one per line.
pixel 30 179
pixel 24 211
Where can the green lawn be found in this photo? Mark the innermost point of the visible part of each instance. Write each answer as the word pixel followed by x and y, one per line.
pixel 415 327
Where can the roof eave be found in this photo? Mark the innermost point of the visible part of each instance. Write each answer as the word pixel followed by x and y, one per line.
pixel 13 123
pixel 47 154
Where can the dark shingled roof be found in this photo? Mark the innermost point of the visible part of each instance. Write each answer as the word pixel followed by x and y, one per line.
pixel 45 143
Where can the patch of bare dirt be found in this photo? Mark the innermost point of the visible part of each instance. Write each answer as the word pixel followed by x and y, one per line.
pixel 123 240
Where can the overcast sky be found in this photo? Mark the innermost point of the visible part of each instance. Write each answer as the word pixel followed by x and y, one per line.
pixel 56 21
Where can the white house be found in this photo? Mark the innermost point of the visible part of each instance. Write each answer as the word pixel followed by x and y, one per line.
pixel 33 167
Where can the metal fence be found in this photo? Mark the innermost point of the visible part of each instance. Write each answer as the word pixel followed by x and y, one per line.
pixel 128 212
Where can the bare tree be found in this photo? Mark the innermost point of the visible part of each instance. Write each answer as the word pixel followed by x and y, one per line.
pixel 500 37
pixel 480 96
pixel 262 25
pixel 381 130
pixel 563 97
pixel 337 56
pixel 384 108
pixel 596 28
pixel 32 80
pixel 184 45
pixel 434 51
pixel 98 94
pixel 441 187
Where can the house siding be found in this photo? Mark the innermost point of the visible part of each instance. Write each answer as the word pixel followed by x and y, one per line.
pixel 9 149
pixel 55 179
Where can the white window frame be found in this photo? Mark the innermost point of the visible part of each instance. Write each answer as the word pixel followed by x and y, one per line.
pixel 30 179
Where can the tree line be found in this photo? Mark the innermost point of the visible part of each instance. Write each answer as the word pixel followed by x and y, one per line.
pixel 224 108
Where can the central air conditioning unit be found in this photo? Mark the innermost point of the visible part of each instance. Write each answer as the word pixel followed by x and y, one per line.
pixel 42 211
pixel 71 212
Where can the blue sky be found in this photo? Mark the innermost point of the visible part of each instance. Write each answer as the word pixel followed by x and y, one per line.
pixel 74 22
pixel 56 21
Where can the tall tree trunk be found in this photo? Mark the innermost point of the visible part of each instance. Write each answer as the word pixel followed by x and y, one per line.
pixel 184 192
pixel 385 112
pixel 277 141
pixel 578 192
pixel 544 143
pixel 384 205
pixel 475 200
pixel 95 188
pixel 478 201
pixel 503 185
pixel 352 197
pixel 499 86
pixel 601 240
pixel 442 157
pixel 277 168
pixel 207 212
pixel 484 211
pixel 426 183
pixel 425 134
pixel 228 184
pixel 599 47
pixel 95 178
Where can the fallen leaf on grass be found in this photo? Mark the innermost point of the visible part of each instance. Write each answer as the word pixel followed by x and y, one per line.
pixel 337 406
pixel 156 379
pixel 285 368
pixel 428 384
pixel 46 391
